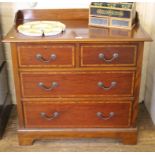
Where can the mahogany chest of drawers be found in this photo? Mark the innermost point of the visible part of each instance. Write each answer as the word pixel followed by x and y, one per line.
pixel 76 84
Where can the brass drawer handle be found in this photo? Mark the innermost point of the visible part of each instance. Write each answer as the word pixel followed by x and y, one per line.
pixel 53 85
pixel 53 115
pixel 42 59
pixel 101 56
pixel 101 85
pixel 101 115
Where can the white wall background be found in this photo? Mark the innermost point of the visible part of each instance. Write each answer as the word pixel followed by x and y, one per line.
pixel 146 13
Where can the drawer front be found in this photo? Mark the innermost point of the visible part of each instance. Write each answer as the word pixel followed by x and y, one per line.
pixel 91 114
pixel 66 84
pixel 46 56
pixel 108 55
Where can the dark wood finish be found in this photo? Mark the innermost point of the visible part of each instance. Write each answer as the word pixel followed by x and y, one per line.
pixel 65 55
pixel 77 84
pixel 77 94
pixel 82 115
pixel 90 55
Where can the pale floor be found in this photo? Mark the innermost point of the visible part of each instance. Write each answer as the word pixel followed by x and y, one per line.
pixel 146 140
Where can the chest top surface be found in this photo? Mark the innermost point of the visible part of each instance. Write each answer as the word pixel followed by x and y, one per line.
pixel 77 28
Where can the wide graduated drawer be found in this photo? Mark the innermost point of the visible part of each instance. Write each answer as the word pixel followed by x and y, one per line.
pixel 56 55
pixel 63 84
pixel 108 55
pixel 90 114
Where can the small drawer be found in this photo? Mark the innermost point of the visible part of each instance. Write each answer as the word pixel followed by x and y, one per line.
pixel 108 55
pixel 46 55
pixel 86 114
pixel 66 84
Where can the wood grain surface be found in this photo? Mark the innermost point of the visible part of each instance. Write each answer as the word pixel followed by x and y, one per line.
pixel 77 84
pixel 64 55
pixel 77 28
pixel 76 115
pixel 146 140
pixel 38 86
pixel 90 55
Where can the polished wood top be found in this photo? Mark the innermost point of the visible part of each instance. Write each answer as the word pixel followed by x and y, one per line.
pixel 77 28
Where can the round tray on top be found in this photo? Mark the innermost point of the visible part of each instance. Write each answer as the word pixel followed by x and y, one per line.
pixel 41 28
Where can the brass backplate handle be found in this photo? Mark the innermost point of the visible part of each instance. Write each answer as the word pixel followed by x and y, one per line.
pixel 51 117
pixel 102 57
pixel 112 85
pixel 53 85
pixel 101 115
pixel 39 57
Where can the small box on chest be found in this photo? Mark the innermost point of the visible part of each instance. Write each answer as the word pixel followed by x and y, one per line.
pixel 117 15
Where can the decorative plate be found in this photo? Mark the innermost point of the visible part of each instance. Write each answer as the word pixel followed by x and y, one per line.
pixel 41 28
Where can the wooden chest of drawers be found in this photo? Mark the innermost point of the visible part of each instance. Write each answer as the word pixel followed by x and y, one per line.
pixel 75 85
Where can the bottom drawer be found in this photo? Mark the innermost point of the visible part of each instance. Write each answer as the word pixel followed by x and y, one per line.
pixel 73 115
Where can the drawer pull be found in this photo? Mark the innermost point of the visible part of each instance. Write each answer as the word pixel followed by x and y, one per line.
pixel 101 56
pixel 53 116
pixel 53 85
pixel 101 115
pixel 101 85
pixel 42 59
